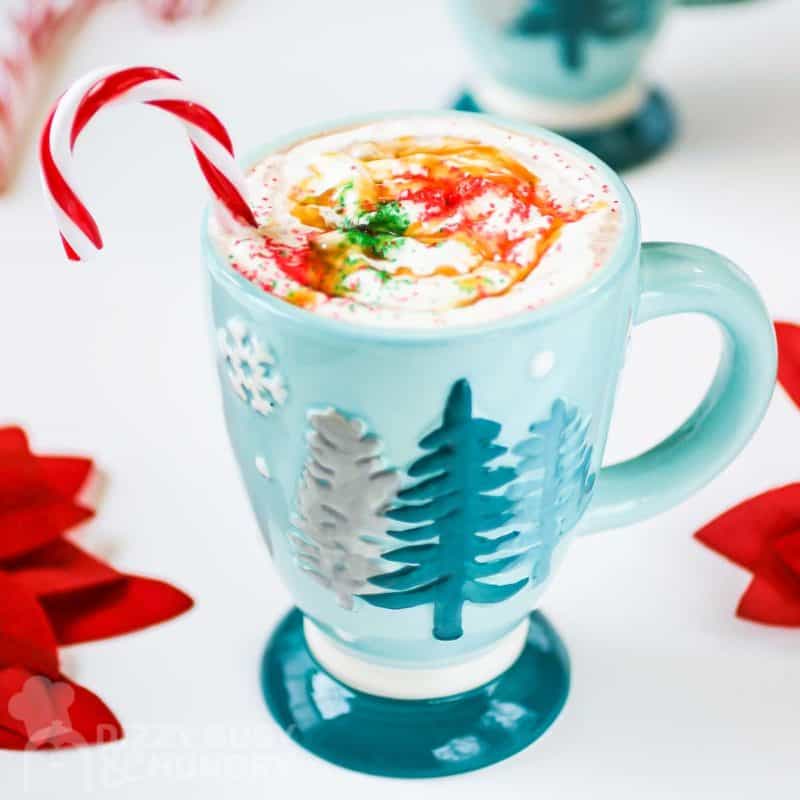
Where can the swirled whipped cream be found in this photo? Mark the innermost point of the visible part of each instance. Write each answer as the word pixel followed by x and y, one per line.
pixel 423 222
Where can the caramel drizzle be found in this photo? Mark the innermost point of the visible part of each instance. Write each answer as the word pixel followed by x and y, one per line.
pixel 440 171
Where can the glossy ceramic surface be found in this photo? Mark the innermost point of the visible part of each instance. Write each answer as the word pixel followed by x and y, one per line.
pixel 414 738
pixel 625 144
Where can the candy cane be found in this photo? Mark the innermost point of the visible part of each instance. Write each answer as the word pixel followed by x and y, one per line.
pixel 151 86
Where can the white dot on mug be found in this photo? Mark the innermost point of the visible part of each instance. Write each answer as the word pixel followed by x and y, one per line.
pixel 542 364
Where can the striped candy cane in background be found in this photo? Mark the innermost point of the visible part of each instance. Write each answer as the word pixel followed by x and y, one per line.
pixel 31 34
pixel 174 10
pixel 151 86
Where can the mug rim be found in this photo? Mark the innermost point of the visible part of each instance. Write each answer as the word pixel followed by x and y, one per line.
pixel 623 255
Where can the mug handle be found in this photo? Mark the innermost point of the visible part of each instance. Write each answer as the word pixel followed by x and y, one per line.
pixel 676 279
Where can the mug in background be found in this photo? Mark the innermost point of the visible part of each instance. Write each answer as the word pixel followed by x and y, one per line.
pixel 419 488
pixel 572 66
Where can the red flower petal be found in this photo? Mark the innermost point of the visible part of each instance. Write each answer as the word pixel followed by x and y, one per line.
pixel 742 533
pixel 787 549
pixel 36 495
pixel 26 478
pixel 26 528
pixel 65 475
pixel 60 567
pixel 122 607
pixel 20 480
pixel 12 741
pixel 36 712
pixel 26 637
pixel 773 598
pixel 13 440
pixel 789 358
pixel 92 718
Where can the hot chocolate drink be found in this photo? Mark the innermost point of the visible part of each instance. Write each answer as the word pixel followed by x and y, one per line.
pixel 424 222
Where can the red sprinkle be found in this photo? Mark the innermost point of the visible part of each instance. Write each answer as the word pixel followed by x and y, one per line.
pixel 293 261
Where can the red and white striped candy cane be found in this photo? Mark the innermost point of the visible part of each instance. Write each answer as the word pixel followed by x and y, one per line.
pixel 151 86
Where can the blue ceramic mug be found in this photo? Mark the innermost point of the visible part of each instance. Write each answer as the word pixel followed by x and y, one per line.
pixel 419 488
pixel 570 65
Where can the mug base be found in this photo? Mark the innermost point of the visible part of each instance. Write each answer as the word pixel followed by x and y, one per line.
pixel 624 144
pixel 414 738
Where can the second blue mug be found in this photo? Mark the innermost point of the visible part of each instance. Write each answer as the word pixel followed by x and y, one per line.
pixel 572 66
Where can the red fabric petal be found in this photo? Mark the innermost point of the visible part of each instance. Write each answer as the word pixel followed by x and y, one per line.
pixel 36 495
pixel 60 567
pixel 11 741
pixel 789 358
pixel 92 719
pixel 26 637
pixel 788 551
pixel 773 597
pixel 28 478
pixel 13 440
pixel 742 533
pixel 65 475
pixel 28 527
pixel 36 712
pixel 122 607
pixel 20 480
pixel 51 591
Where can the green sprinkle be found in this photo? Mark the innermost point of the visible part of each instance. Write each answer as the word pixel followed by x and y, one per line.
pixel 387 218
pixel 340 198
pixel 377 232
pixel 378 244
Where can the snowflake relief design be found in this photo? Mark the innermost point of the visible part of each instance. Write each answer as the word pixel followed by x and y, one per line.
pixel 251 368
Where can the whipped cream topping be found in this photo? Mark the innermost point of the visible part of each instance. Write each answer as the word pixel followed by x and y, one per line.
pixel 423 222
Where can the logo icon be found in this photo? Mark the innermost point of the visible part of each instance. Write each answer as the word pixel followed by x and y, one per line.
pixel 42 706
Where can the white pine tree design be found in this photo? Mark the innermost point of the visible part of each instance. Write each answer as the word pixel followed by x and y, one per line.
pixel 343 494
pixel 251 368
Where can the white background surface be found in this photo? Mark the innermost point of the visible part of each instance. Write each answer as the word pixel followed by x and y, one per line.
pixel 672 696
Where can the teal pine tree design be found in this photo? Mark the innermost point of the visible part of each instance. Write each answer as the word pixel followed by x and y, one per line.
pixel 573 20
pixel 556 484
pixel 449 507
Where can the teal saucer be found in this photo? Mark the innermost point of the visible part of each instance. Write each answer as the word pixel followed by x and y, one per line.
pixel 624 144
pixel 414 738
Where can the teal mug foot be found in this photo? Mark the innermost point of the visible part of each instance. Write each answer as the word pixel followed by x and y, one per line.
pixel 414 738
pixel 622 145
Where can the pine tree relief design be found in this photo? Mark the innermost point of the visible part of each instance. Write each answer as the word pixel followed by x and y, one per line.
pixel 251 368
pixel 555 484
pixel 344 492
pixel 448 508
pixel 572 21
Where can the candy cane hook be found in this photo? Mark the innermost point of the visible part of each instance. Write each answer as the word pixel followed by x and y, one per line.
pixel 112 86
